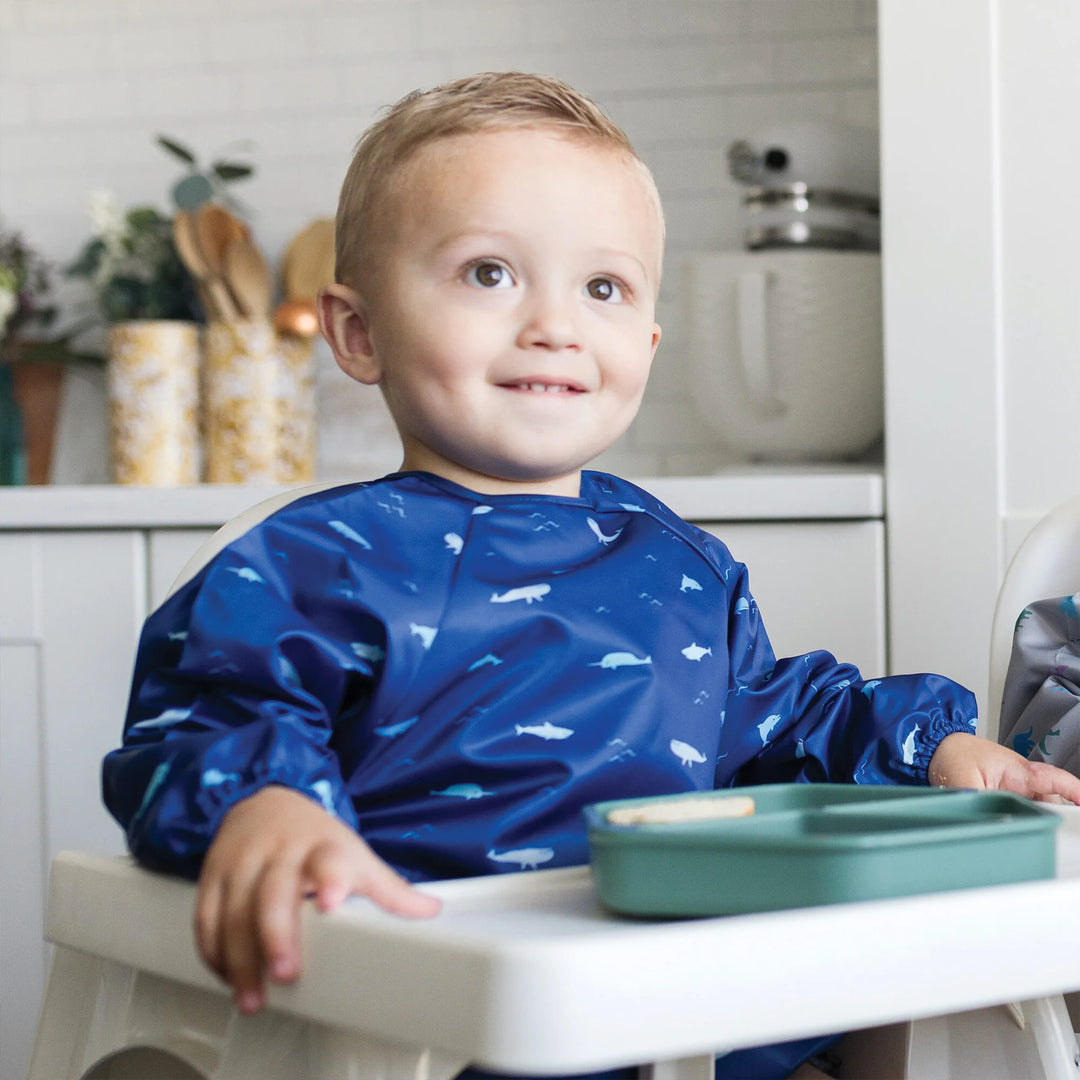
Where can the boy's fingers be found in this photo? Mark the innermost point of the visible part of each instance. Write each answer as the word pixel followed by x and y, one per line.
pixel 242 961
pixel 278 920
pixel 208 923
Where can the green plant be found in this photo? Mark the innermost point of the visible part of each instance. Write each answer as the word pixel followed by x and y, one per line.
pixel 130 260
pixel 204 184
pixel 25 284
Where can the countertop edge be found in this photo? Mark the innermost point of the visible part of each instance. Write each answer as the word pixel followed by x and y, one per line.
pixel 748 493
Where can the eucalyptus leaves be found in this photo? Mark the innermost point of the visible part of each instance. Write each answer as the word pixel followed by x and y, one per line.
pixel 130 260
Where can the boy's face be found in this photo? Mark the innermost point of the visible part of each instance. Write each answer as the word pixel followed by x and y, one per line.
pixel 509 318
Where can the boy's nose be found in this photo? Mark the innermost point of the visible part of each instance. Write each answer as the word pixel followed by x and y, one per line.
pixel 549 324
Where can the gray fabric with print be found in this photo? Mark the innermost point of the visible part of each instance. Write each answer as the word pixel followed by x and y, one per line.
pixel 1040 707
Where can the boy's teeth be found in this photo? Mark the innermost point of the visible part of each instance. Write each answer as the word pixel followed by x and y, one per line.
pixel 543 387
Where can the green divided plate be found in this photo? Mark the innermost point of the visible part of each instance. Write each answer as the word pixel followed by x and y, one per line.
pixel 810 844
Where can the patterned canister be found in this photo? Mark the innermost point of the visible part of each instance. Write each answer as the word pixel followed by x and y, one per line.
pixel 153 393
pixel 259 390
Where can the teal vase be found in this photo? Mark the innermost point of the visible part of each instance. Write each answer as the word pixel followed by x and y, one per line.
pixel 12 448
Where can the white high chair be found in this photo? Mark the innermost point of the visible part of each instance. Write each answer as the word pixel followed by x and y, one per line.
pixel 523 972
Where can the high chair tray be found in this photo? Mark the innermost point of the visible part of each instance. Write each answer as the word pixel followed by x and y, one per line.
pixel 810 844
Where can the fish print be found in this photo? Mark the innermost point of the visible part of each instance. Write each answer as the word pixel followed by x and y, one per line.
pixel 546 730
pixel 364 651
pixel 908 748
pixel 324 791
pixel 426 634
pixel 165 719
pixel 388 731
pixel 157 778
pixel 350 534
pixel 528 593
pixel 463 791
pixel 695 651
pixel 215 777
pixel 767 726
pixel 489 660
pixel 599 534
pixel 687 754
pixel 246 573
pixel 527 858
pixel 614 660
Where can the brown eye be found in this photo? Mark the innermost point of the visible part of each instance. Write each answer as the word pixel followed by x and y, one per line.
pixel 603 289
pixel 490 276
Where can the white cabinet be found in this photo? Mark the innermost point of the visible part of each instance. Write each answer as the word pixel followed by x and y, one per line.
pixel 79 571
pixel 818 585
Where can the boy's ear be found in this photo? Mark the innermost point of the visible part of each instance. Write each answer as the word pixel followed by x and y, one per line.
pixel 343 319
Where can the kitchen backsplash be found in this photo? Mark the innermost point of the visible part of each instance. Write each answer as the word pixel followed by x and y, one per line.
pixel 84 87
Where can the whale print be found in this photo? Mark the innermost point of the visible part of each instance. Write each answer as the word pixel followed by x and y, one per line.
pixel 454 542
pixel 426 634
pixel 350 534
pixel 633 508
pixel 689 584
pixel 528 593
pixel 483 509
pixel 374 653
pixel 614 660
pixel 178 635
pixel 687 754
pixel 388 731
pixel 484 661
pixel 800 749
pixel 909 746
pixel 528 858
pixel 695 651
pixel 868 689
pixel 246 573
pixel 546 730
pixel 463 791
pixel 600 535
pixel 765 728
pixel 742 606
pixel 163 720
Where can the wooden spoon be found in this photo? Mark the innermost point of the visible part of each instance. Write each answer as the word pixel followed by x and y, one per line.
pixel 248 277
pixel 214 296
pixel 215 228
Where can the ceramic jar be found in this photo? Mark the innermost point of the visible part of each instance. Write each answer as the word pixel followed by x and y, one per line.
pixel 153 393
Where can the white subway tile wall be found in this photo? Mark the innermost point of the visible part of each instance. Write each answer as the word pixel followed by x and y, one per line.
pixel 86 84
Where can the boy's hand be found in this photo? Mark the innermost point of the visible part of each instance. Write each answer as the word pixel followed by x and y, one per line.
pixel 273 850
pixel 966 761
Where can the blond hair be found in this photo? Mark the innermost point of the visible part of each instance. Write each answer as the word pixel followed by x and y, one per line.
pixel 476 103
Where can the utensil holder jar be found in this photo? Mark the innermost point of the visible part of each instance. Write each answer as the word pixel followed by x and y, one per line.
pixel 259 393
pixel 153 392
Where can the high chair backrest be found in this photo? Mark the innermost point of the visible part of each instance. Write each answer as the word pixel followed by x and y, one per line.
pixel 1046 565
pixel 237 526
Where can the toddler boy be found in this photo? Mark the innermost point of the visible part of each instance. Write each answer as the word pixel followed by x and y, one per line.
pixel 429 675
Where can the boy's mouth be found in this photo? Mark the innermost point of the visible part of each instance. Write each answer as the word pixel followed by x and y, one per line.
pixel 543 386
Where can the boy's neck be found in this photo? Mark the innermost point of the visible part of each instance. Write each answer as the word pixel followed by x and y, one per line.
pixel 567 486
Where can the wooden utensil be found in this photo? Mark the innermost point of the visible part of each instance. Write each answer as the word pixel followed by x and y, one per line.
pixel 248 277
pixel 308 262
pixel 213 294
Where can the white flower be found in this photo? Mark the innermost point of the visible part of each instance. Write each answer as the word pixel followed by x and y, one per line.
pixel 106 217
pixel 9 301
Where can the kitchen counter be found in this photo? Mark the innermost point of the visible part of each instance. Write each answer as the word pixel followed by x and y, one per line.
pixel 751 493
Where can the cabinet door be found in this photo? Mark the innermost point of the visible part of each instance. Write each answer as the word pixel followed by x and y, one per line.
pixel 72 604
pixel 818 585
